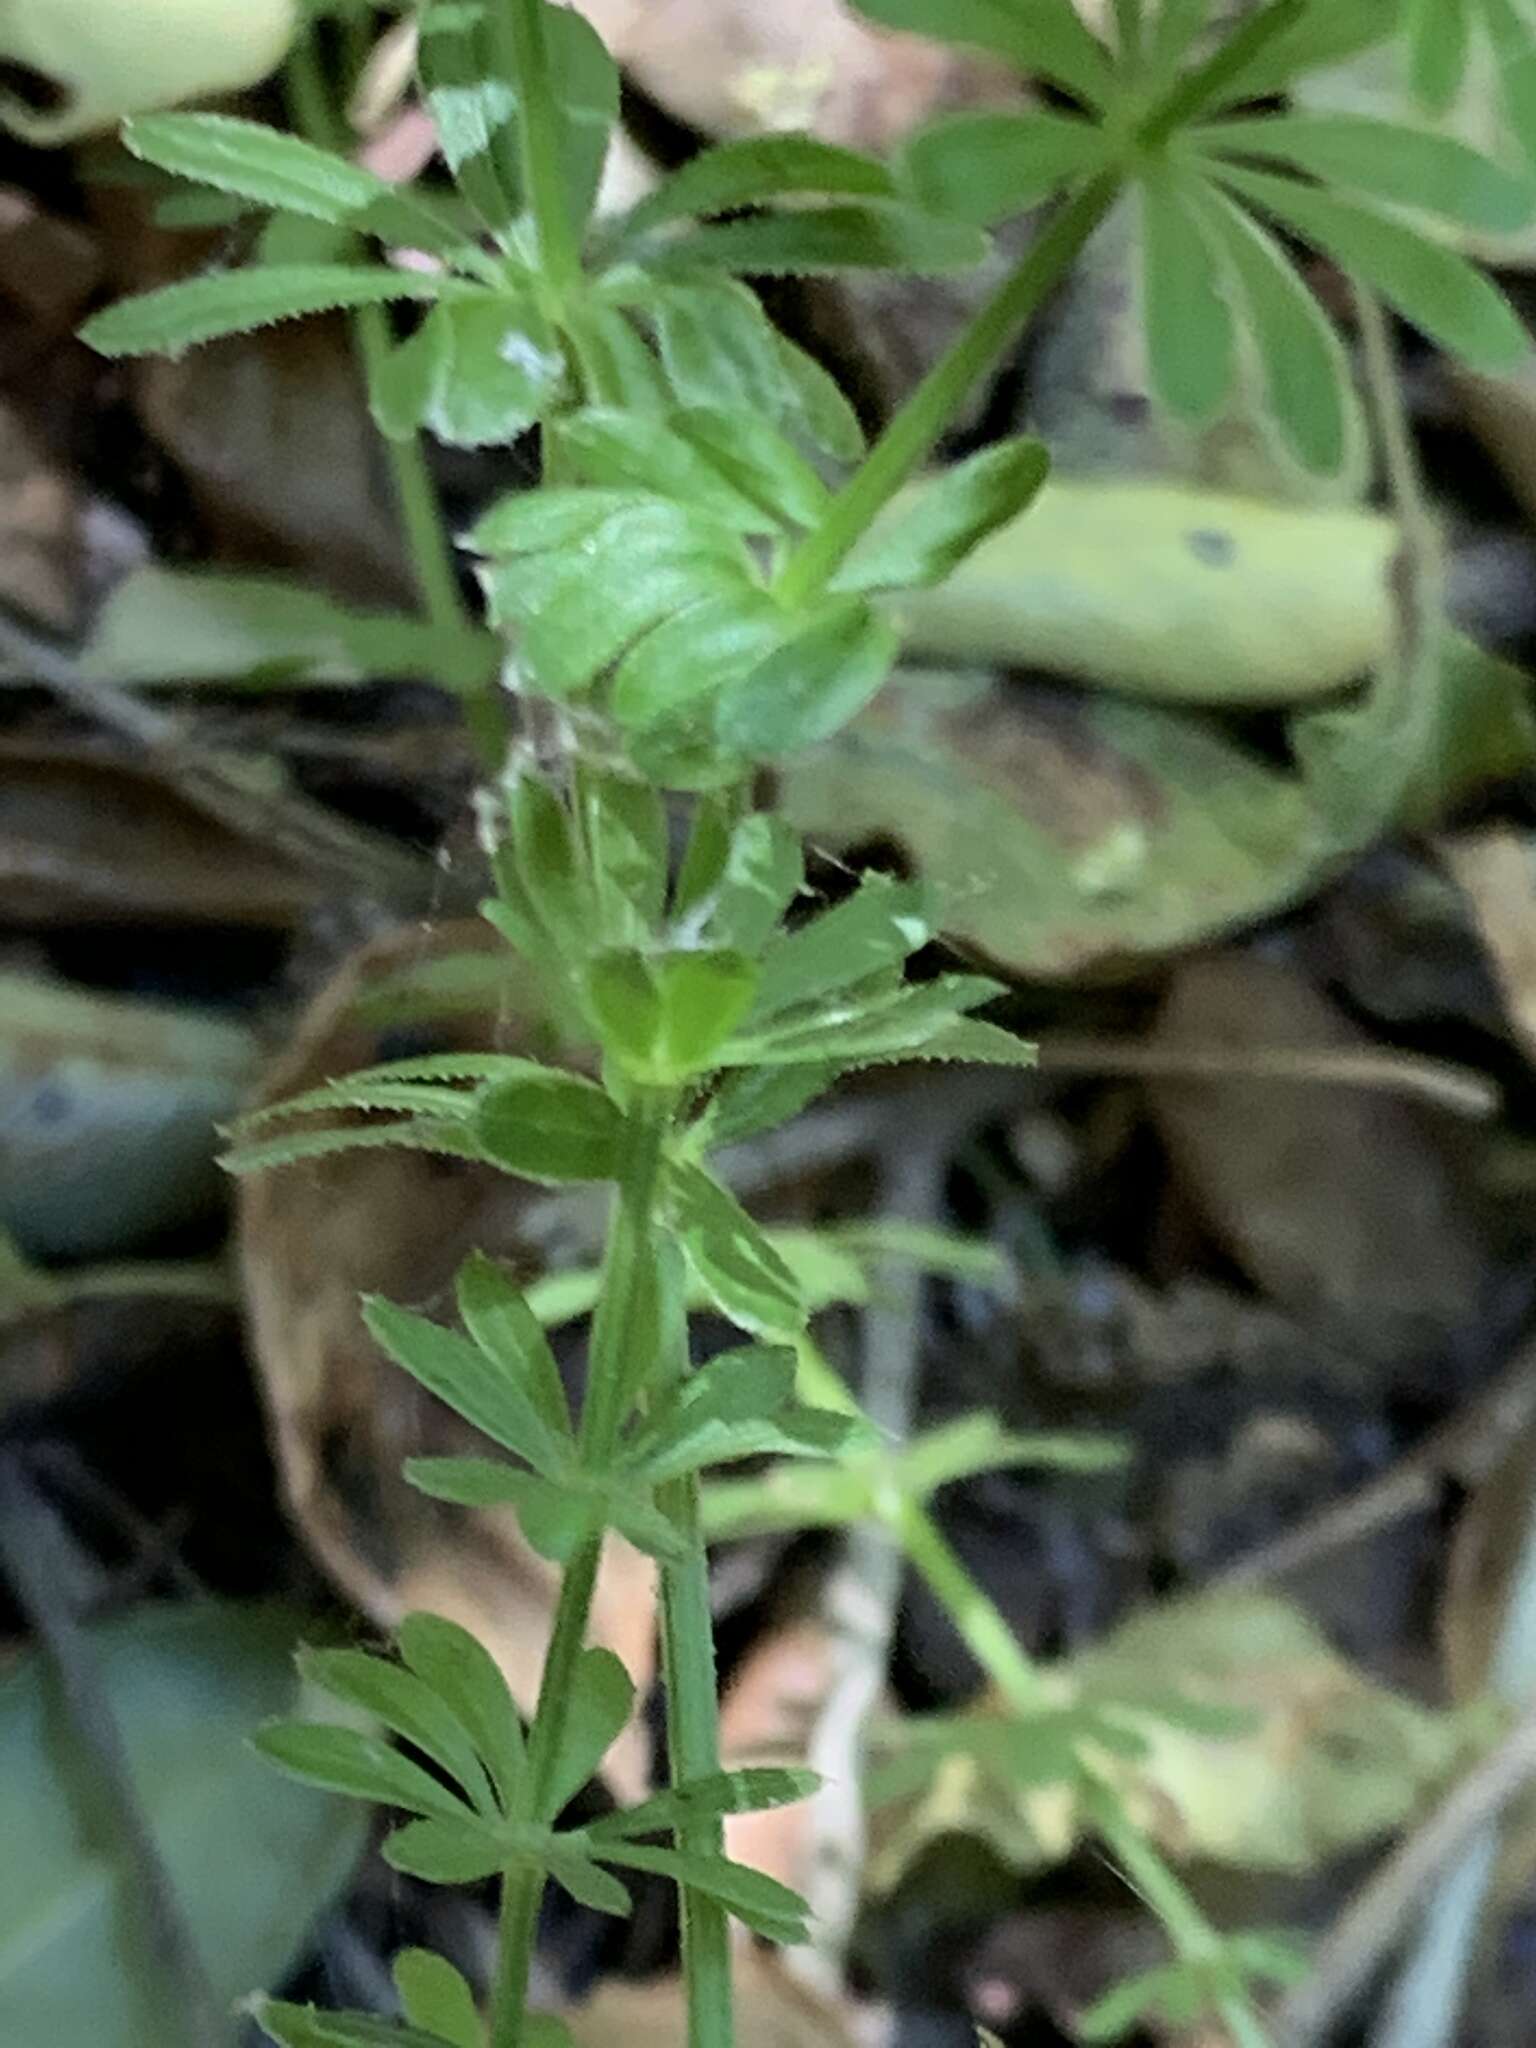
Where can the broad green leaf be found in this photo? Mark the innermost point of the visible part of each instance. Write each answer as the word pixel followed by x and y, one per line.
pixel 407 1706
pixel 463 1673
pixel 187 1684
pixel 737 1266
pixel 474 1386
pixel 664 1016
pixel 753 1381
pixel 826 240
pixel 621 450
pixel 759 1902
pixel 437 1997
pixel 462 1851
pixel 1044 37
pixel 934 533
pixel 496 1314
pixel 985 168
pixel 748 1791
pixel 813 683
pixel 821 407
pixel 552 1127
pixel 754 170
pixel 1439 42
pixel 403 379
pixel 179 316
pixel 695 652
pixel 305 2026
pixel 875 929
pixel 1431 287
pixel 1189 326
pixel 718 347
pixel 624 821
pixel 754 1100
pixel 540 522
pixel 547 863
pixel 178 626
pixel 1304 364
pixel 360 1766
pixel 763 873
pixel 1383 160
pixel 597 1710
pixel 492 369
pixel 613 357
pixel 756 459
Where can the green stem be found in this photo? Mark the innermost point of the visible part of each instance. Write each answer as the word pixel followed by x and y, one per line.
pixel 539 129
pixel 1204 86
pixel 911 435
pixel 693 1748
pixel 313 113
pixel 977 1619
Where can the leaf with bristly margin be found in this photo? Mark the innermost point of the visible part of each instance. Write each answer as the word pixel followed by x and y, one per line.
pixel 598 1704
pixel 271 168
pixel 397 1098
pixel 759 1902
pixel 1304 365
pixel 180 316
pixel 971 1043
pixel 756 460
pixel 415 1134
pixel 1382 160
pixel 463 1674
pixel 496 1314
pixel 303 2026
pixel 359 1766
pixel 892 1024
pixel 877 928
pixel 1431 287
pixel 920 545
pixel 437 1997
pixel 754 1100
pixel 407 1706
pixel 589 1886
pixel 481 368
pixel 462 1851
pixel 551 1127
pixel 753 170
pixel 474 1386
pixel 985 168
pixel 1190 336
pixel 822 676
pixel 734 1262
pixel 756 1790
pixel 431 1067
pixel 825 241
pixel 1045 38
pixel 615 449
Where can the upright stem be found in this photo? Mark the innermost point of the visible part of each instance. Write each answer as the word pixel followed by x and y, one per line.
pixel 629 1267
pixel 911 435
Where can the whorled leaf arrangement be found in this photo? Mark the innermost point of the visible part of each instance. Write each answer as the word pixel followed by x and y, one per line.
pixel 691 597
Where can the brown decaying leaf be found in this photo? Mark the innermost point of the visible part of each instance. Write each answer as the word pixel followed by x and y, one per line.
pixel 86 834
pixel 1339 1203
pixel 313 1237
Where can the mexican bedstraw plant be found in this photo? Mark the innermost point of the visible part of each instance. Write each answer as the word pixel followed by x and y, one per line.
pixel 692 593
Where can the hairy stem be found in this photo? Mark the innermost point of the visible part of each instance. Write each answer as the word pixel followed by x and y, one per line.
pixel 911 435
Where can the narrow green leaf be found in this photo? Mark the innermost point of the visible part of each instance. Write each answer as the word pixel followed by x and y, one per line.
pixel 761 1903
pixel 1178 26
pixel 254 162
pixel 475 1387
pixel 548 863
pixel 588 1885
pixel 821 406
pixel 699 650
pixel 750 1791
pixel 735 1264
pixel 806 689
pixel 985 168
pixel 495 369
pixel 1514 50
pixel 360 1766
pixel 446 1851
pixel 463 1673
pixel 1383 160
pixel 624 821
pixel 1439 40
pixel 416 1134
pixel 1326 32
pixel 922 543
pixel 552 1127
pixel 757 461
pixel 302 2026
pixel 497 1316
pixel 407 1706
pixel 179 316
pixel 1046 38
pixel 359 1090
pixel 826 240
pixel 437 1998
pixel 1430 286
pixel 544 521
pixel 875 929
pixel 1189 325
pixel 898 1024
pixel 1303 362
pixel 764 872
pixel 753 170
pixel 705 994
pixel 618 449
pixel 754 1100
pixel 718 346
pixel 597 1710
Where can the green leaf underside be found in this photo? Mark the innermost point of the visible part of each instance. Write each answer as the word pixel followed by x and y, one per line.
pixel 825 241
pixel 1189 325
pixel 458 1372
